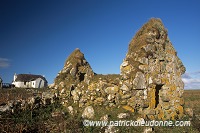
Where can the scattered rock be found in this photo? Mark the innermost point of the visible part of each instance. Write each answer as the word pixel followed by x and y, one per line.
pixel 71 110
pixel 88 112
pixel 104 118
pixel 111 129
pixel 48 98
pixel 4 108
pixel 123 115
pixel 189 112
pixel 148 130
pixel 141 120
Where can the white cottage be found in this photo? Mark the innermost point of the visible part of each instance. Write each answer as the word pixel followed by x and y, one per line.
pixel 29 81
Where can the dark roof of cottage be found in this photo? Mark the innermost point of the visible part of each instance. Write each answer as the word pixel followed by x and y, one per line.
pixel 29 77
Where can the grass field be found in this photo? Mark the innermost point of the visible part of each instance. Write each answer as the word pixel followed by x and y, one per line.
pixel 192 100
pixel 41 120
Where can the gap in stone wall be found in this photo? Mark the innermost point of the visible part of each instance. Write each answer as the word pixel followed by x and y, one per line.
pixel 158 87
pixel 81 76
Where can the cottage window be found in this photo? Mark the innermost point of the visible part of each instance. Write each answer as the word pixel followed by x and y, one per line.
pixel 33 83
pixel 24 82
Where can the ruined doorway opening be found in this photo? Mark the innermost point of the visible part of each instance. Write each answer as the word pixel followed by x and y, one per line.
pixel 157 96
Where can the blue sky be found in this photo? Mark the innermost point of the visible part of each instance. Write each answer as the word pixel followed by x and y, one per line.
pixel 36 36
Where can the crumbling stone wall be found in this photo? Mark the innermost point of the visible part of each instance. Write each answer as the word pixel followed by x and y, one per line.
pixel 37 100
pixel 152 69
pixel 150 80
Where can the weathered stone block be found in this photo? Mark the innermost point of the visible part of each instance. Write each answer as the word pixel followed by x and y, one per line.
pixel 165 98
pixel 112 90
pixel 128 108
pixel 166 105
pixel 126 96
pixel 139 82
pixel 124 88
pixel 99 100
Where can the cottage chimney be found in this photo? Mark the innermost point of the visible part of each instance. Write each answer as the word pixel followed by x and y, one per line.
pixel 15 76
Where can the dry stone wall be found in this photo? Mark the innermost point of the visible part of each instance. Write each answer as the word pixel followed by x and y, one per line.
pixel 150 81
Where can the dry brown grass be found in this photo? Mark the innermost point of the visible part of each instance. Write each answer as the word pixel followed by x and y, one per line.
pixel 192 100
pixel 13 94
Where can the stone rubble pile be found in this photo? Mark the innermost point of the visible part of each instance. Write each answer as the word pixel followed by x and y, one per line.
pixel 36 101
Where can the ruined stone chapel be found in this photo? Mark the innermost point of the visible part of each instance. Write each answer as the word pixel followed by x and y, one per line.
pixel 150 81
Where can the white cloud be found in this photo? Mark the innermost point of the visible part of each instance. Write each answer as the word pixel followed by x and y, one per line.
pixel 191 80
pixel 186 76
pixel 4 63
